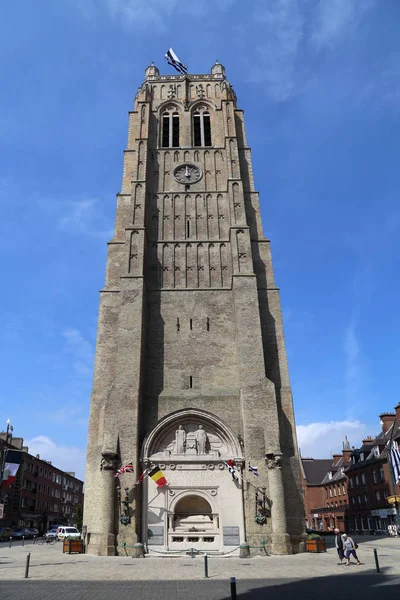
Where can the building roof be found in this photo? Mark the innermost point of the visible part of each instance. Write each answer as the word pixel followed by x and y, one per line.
pixel 315 469
pixel 375 451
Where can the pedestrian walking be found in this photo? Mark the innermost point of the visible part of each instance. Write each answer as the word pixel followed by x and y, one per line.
pixel 350 548
pixel 339 545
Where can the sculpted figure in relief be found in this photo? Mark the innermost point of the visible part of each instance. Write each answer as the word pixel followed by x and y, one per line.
pixel 180 440
pixel 201 440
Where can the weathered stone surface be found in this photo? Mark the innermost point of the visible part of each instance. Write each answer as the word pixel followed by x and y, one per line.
pixel 190 333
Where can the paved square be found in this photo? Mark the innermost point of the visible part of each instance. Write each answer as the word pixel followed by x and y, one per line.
pixel 85 577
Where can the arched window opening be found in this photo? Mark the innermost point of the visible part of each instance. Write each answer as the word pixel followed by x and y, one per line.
pixel 201 128
pixel 170 130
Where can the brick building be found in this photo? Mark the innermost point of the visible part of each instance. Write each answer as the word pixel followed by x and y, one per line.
pixel 313 472
pixel 370 480
pixel 351 490
pixel 325 490
pixel 41 495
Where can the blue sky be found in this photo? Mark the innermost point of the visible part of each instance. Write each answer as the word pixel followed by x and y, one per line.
pixel 320 85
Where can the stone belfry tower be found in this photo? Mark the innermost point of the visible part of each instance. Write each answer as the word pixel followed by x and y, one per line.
pixel 190 368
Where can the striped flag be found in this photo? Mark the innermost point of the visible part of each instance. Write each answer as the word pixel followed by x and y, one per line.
pixel 232 469
pixel 158 476
pixel 11 465
pixel 395 460
pixel 174 61
pixel 126 469
pixel 253 470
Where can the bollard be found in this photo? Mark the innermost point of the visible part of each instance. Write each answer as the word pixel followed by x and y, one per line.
pixel 28 558
pixel 23 541
pixel 206 566
pixel 376 561
pixel 34 540
pixel 233 588
pixel 10 541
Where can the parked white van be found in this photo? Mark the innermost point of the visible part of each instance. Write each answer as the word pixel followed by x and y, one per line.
pixel 67 532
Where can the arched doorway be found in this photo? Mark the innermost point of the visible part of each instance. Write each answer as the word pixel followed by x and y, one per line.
pixel 193 524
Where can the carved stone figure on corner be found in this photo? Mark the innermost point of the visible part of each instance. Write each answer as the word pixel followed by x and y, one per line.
pixel 201 440
pixel 274 460
pixel 180 440
pixel 108 461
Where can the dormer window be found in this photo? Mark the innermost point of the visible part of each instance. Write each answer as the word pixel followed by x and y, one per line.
pixel 170 129
pixel 330 475
pixel 362 456
pixel 201 128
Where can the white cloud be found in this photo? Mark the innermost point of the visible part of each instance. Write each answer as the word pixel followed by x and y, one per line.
pixel 336 18
pixel 321 440
pixel 82 351
pixel 138 14
pixel 66 458
pixel 291 34
pixel 85 217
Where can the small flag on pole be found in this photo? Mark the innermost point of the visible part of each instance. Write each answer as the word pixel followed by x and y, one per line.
pixel 253 470
pixel 232 469
pixel 174 61
pixel 143 475
pixel 126 469
pixel 395 460
pixel 158 476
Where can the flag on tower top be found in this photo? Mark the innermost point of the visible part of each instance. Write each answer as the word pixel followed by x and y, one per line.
pixel 174 61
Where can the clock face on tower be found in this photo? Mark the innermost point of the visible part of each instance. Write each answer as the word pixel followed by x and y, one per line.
pixel 187 174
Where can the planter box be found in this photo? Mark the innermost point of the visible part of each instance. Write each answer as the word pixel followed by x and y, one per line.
pixel 316 545
pixel 73 546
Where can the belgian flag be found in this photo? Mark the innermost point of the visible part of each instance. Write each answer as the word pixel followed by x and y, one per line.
pixel 158 476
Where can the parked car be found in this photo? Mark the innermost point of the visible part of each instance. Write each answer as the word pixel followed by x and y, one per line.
pixel 68 532
pixel 51 533
pixel 23 532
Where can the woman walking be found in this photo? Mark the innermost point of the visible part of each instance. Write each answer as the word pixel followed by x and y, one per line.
pixel 349 547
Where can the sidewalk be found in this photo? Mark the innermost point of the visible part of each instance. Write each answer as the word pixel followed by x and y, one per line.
pixel 49 563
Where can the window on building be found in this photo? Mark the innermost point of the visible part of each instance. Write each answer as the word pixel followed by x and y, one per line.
pixel 58 478
pixel 351 482
pixel 362 456
pixel 201 128
pixel 365 499
pixel 344 489
pixel 170 129
pixel 53 477
pixel 330 492
pixel 359 500
pixel 40 470
pixel 374 477
pixel 57 493
pixel 339 490
pixel 353 500
pixel 382 474
pixel 326 492
pixel 378 496
pixel 363 478
pixel 39 487
pixel 357 480
pixel 45 473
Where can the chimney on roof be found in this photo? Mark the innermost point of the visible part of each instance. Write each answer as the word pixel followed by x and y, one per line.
pixel 336 458
pixel 397 409
pixel 387 420
pixel 368 440
pixel 346 451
